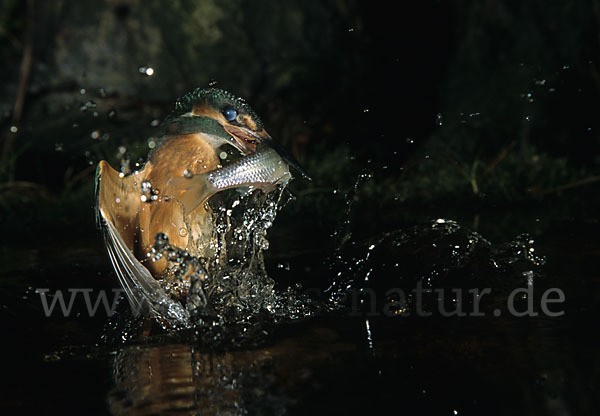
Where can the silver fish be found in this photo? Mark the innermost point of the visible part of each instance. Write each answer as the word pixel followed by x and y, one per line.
pixel 263 169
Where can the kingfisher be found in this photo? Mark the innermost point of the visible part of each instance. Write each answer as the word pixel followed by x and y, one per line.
pixel 167 197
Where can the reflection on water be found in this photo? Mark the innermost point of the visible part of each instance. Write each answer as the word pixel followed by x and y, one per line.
pixel 181 379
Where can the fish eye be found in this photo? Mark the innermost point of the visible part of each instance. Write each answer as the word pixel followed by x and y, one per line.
pixel 229 113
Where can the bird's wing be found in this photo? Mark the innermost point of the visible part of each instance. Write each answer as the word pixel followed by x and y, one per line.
pixel 117 205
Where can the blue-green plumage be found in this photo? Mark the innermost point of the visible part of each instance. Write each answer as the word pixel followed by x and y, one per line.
pixel 215 98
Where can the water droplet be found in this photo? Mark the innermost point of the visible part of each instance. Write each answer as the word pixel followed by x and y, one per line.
pixel 155 122
pixel 148 71
pixel 223 155
pixel 14 129
pixel 183 232
pixel 82 91
pixel 95 134
pixel 187 174
pixel 410 140
pixel 87 105
pixel 146 186
pixel 148 193
pixel 285 266
pixel 530 97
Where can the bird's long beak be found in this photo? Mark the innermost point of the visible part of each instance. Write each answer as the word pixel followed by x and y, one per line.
pixel 247 140
pixel 244 139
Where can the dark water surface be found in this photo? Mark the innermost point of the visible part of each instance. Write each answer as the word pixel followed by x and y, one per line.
pixel 340 362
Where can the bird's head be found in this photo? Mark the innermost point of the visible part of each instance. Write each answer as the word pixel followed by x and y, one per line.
pixel 222 118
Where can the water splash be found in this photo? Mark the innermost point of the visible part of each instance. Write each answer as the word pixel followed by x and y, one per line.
pixel 440 254
pixel 228 294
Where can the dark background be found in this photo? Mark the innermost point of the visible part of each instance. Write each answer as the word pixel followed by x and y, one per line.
pixel 468 103
pixel 483 112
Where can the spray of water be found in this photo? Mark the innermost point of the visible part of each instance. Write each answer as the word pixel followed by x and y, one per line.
pixel 229 295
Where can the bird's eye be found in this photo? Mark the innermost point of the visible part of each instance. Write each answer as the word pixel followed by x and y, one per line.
pixel 229 113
